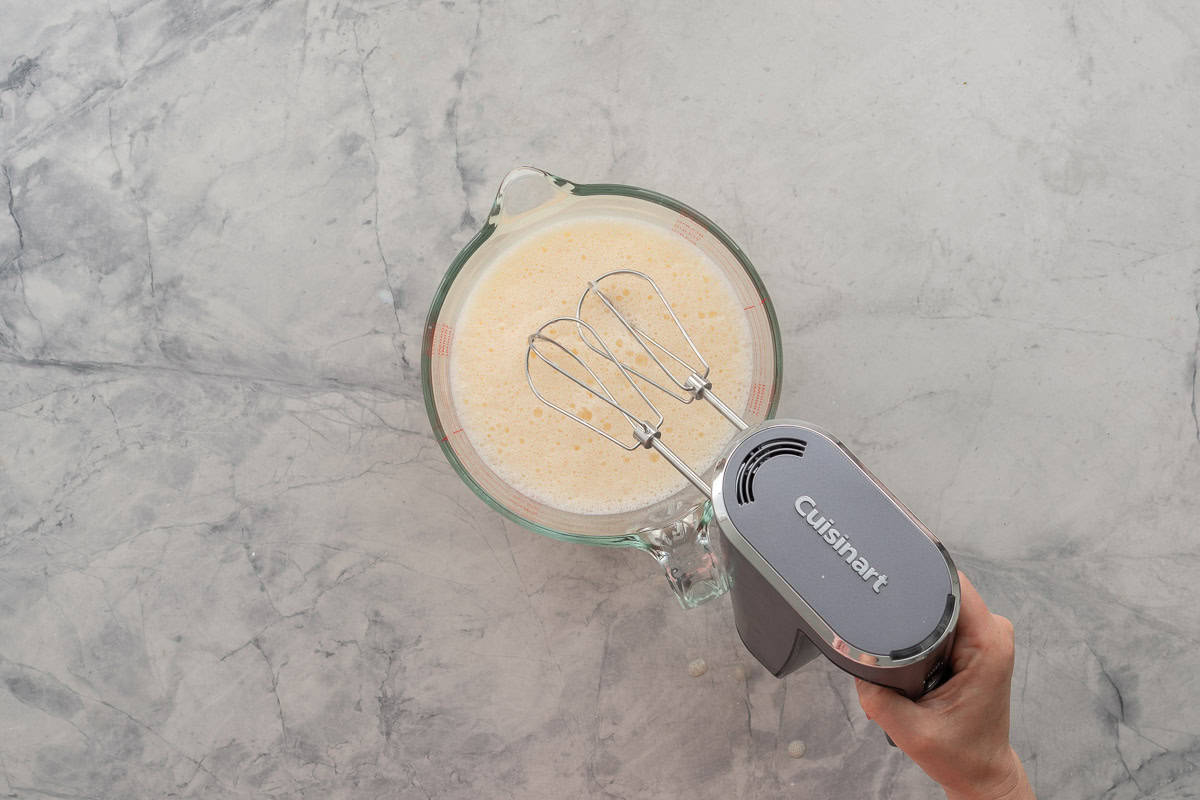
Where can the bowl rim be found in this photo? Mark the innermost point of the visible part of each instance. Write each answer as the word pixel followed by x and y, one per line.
pixel 631 539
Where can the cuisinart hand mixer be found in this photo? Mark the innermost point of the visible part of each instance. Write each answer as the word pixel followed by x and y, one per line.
pixel 823 557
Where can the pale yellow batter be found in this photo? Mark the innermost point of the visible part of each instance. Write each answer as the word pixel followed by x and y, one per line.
pixel 539 451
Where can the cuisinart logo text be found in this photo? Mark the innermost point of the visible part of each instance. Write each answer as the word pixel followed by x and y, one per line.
pixel 807 508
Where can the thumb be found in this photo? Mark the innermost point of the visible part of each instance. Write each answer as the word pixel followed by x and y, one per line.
pixel 891 710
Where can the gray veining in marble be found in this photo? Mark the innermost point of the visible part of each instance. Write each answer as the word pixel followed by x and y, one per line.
pixel 233 562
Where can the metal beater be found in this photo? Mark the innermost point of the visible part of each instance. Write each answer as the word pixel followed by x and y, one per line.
pixel 647 433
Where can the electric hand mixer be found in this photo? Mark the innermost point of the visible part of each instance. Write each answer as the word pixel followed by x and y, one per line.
pixel 823 557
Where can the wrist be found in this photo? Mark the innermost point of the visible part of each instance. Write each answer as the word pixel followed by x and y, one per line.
pixel 1007 782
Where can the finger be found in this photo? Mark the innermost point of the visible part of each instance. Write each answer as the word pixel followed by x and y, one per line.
pixel 1003 648
pixel 974 619
pixel 896 714
pixel 979 631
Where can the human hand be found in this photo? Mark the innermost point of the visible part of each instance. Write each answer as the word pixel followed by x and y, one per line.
pixel 958 733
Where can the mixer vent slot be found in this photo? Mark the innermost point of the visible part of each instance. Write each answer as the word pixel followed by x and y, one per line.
pixel 760 455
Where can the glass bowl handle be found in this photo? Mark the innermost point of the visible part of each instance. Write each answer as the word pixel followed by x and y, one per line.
pixel 687 551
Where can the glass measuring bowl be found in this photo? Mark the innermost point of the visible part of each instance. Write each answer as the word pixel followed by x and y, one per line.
pixel 675 530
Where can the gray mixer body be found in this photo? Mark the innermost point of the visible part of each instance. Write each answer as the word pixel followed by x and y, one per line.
pixel 824 559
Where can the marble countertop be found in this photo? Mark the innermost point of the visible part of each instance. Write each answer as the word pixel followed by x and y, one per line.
pixel 233 561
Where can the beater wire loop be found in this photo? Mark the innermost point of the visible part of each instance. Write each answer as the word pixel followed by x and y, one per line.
pixel 553 353
pixel 696 380
pixel 540 342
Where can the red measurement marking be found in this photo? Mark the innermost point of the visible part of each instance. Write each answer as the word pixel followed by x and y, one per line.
pixel 687 230
pixel 442 336
pixel 525 507
pixel 749 308
pixel 758 395
pixel 761 302
pixel 457 431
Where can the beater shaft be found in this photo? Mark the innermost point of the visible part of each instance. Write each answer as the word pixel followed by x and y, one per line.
pixel 682 467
